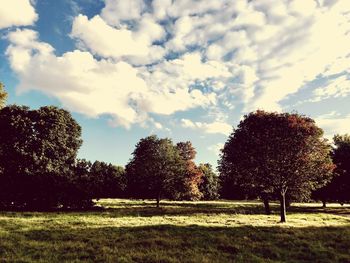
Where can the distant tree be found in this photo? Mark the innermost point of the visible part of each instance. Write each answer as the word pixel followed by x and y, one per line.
pixel 209 184
pixel 338 189
pixel 154 168
pixel 272 154
pixel 107 180
pixel 38 149
pixel 341 158
pixel 3 96
pixel 192 176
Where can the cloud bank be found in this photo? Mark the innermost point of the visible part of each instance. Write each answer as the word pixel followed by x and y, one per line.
pixel 139 57
pixel 17 13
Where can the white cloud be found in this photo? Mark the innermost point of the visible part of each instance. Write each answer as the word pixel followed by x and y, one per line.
pixel 17 13
pixel 107 41
pixel 186 123
pixel 82 83
pixel 339 87
pixel 214 127
pixel 167 56
pixel 94 87
pixel 116 11
pixel 302 48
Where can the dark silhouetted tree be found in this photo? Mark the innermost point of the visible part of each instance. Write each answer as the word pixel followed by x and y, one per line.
pixel 209 182
pixel 153 171
pixel 341 158
pixel 231 187
pixel 338 189
pixel 38 149
pixel 272 154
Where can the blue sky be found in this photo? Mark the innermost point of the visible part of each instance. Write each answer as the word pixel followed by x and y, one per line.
pixel 184 69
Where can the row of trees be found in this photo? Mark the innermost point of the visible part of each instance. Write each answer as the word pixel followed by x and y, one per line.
pixel 271 156
pixel 39 168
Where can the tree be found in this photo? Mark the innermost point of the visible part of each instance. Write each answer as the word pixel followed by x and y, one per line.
pixel 209 182
pixel 341 158
pixel 153 171
pixel 107 180
pixel 3 96
pixel 338 189
pixel 192 176
pixel 231 188
pixel 276 153
pixel 38 149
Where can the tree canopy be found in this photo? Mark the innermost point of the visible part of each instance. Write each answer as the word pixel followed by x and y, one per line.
pixel 38 149
pixel 208 185
pixel 192 176
pixel 272 153
pixel 338 189
pixel 153 171
pixel 341 158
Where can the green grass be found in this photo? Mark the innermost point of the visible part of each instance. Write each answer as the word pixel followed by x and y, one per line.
pixel 136 231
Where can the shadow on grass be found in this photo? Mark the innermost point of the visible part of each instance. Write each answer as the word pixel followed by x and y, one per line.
pixel 169 243
pixel 147 208
pixel 338 210
pixel 141 208
pixel 121 208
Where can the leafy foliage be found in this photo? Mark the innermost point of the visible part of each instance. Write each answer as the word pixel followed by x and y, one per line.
pixel 155 169
pixel 338 189
pixel 38 149
pixel 271 153
pixel 100 179
pixel 192 175
pixel 209 182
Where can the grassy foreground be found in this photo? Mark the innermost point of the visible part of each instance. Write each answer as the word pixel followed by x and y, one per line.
pixel 135 231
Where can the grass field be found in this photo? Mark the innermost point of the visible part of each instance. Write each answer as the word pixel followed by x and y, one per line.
pixel 136 231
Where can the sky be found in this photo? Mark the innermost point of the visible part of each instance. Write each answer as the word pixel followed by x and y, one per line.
pixel 184 69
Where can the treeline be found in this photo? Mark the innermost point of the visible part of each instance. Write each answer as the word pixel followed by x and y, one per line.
pixel 270 156
pixel 39 168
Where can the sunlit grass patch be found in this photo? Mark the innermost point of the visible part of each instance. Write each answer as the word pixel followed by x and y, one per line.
pixel 136 231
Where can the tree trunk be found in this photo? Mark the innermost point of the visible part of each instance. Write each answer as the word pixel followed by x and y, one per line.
pixel 283 206
pixel 158 199
pixel 267 206
pixel 324 205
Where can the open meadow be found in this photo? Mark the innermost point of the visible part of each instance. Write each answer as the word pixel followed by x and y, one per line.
pixel 218 231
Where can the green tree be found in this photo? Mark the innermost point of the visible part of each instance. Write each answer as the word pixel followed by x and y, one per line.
pixel 38 149
pixel 154 168
pixel 3 96
pixel 209 182
pixel 272 154
pixel 107 180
